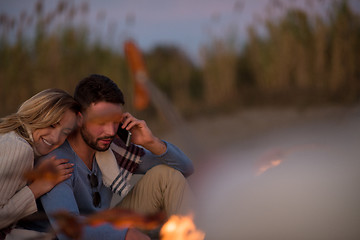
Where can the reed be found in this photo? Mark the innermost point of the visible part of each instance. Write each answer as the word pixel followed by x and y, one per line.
pixel 308 59
pixel 302 60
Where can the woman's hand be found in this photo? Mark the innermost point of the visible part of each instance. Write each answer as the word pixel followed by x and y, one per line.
pixel 47 174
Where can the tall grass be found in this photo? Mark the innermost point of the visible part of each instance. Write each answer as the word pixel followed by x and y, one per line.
pixel 219 73
pixel 308 60
pixel 50 56
pixel 302 60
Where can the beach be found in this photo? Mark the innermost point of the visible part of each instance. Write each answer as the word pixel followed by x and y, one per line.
pixel 276 173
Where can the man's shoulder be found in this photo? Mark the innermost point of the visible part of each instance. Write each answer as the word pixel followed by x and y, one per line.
pixel 64 151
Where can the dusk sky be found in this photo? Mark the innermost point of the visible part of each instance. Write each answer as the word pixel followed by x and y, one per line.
pixel 186 23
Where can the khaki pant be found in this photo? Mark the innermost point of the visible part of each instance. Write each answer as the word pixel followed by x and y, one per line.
pixel 161 188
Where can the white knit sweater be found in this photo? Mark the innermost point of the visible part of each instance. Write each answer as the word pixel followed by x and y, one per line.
pixel 16 199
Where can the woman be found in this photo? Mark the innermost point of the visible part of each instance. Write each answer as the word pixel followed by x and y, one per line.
pixel 41 124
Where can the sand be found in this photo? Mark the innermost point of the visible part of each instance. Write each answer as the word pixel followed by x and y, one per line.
pixel 276 173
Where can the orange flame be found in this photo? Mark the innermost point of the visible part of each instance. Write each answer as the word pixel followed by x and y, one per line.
pixel 270 159
pixel 69 224
pixel 139 75
pixel 180 228
pixel 271 164
pixel 72 225
pixel 45 171
pixel 275 157
pixel 122 218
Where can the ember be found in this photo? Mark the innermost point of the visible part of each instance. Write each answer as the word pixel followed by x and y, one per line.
pixel 72 225
pixel 69 224
pixel 271 164
pixel 180 228
pixel 45 171
pixel 275 157
pixel 122 218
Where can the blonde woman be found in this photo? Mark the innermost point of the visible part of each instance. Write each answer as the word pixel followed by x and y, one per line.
pixel 41 124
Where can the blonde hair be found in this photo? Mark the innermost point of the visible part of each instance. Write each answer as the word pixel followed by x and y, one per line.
pixel 40 111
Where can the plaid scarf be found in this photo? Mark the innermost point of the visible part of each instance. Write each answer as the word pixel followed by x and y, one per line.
pixel 118 164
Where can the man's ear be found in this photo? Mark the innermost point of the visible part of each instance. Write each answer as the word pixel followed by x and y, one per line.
pixel 80 119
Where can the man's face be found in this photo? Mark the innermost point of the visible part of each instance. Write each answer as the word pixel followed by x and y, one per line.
pixel 100 123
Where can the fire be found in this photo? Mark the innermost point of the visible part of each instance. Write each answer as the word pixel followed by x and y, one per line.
pixel 275 157
pixel 176 228
pixel 180 228
pixel 72 225
pixel 271 164
pixel 69 224
pixel 122 218
pixel 271 159
pixel 45 171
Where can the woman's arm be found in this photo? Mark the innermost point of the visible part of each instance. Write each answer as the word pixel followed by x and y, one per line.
pixel 16 199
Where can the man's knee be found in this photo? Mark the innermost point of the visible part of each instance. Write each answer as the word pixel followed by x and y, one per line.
pixel 165 173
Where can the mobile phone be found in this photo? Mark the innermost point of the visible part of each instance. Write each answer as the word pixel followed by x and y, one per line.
pixel 124 135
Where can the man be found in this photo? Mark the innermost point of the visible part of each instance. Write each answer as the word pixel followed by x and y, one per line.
pixel 97 174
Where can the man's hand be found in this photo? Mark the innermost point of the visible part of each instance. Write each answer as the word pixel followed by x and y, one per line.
pixel 134 234
pixel 142 135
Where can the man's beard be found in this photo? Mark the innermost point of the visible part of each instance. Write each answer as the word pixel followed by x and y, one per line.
pixel 94 144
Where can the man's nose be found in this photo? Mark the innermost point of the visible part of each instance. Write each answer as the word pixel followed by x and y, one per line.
pixel 111 128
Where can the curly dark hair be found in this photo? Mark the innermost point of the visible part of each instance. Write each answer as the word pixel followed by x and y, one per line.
pixel 96 88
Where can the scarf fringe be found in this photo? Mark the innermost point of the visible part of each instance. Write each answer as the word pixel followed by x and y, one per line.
pixel 118 165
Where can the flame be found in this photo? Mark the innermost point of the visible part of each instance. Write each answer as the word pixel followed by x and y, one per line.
pixel 275 157
pixel 72 225
pixel 271 164
pixel 45 171
pixel 69 224
pixel 180 228
pixel 176 228
pixel 122 218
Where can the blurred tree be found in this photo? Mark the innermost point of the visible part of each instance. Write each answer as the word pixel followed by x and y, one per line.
pixel 220 58
pixel 173 72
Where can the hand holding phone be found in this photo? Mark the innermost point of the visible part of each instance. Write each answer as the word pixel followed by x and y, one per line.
pixel 124 135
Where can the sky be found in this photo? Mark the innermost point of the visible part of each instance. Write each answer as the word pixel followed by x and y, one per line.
pixel 188 24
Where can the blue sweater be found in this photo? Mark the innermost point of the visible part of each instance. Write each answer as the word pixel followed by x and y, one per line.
pixel 75 194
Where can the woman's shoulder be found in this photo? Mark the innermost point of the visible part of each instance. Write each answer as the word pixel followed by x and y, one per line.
pixel 15 149
pixel 12 140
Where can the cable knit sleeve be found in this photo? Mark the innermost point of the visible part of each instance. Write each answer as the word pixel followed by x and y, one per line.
pixel 16 199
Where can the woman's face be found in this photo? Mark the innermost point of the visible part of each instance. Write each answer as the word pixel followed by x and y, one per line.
pixel 49 138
